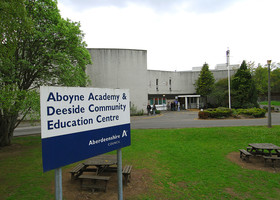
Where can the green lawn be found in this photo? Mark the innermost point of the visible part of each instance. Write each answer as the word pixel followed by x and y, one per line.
pixel 186 163
pixel 273 103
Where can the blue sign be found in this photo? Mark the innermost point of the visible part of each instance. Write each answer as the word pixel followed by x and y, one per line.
pixel 79 123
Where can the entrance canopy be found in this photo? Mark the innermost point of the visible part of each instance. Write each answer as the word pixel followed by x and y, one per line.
pixel 191 101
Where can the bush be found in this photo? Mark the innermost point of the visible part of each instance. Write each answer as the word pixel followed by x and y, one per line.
pixel 272 108
pixel 215 113
pixel 135 112
pixel 203 114
pixel 158 112
pixel 221 112
pixel 253 112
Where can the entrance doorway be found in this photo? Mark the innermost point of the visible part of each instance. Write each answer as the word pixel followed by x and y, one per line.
pixel 182 101
pixel 189 101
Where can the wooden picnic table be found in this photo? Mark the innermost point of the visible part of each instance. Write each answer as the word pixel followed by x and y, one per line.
pixel 268 151
pixel 260 148
pixel 101 162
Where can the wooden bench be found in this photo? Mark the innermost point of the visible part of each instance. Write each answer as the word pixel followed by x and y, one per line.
pixel 127 173
pixel 244 155
pixel 273 159
pixel 77 171
pixel 92 179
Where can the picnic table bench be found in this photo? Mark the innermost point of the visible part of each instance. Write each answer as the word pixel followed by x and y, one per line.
pixel 244 155
pixel 102 163
pixel 268 151
pixel 273 159
pixel 127 173
pixel 264 149
pixel 77 171
pixel 92 179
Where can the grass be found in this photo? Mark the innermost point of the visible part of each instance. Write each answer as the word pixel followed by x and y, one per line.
pixel 273 103
pixel 184 163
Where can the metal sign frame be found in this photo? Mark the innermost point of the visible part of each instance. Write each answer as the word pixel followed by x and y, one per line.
pixel 78 123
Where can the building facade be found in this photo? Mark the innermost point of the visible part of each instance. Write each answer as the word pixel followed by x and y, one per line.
pixel 127 68
pixel 120 68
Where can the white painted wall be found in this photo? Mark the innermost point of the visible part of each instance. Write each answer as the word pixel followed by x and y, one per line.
pixel 181 82
pixel 120 68
pixel 127 69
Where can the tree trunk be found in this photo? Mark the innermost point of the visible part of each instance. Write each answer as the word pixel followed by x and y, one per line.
pixel 7 127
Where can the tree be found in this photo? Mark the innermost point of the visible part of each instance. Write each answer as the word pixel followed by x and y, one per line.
pixel 37 47
pixel 219 95
pixel 205 82
pixel 260 77
pixel 244 92
pixel 275 81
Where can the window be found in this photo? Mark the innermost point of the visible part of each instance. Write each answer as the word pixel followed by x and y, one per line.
pixel 158 101
pixel 157 84
pixel 170 84
pixel 193 99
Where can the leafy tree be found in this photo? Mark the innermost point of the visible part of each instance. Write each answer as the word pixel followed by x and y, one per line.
pixel 37 47
pixel 260 77
pixel 275 81
pixel 244 92
pixel 219 95
pixel 205 82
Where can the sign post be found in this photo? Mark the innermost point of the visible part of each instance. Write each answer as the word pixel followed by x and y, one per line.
pixel 79 123
pixel 120 188
pixel 58 184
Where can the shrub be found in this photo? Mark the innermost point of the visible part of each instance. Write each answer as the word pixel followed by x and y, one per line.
pixel 253 112
pixel 135 112
pixel 157 111
pixel 272 108
pixel 225 112
pixel 203 114
pixel 220 112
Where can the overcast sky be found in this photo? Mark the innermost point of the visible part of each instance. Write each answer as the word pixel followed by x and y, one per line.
pixel 181 34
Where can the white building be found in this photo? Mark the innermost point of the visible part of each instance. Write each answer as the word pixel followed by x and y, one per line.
pixel 127 68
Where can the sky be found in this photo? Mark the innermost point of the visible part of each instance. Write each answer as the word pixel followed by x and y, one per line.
pixel 181 34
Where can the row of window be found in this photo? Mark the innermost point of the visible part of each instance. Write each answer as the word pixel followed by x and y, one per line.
pixel 163 100
pixel 158 101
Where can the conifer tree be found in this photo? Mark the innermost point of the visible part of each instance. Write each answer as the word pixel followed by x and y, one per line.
pixel 244 92
pixel 205 82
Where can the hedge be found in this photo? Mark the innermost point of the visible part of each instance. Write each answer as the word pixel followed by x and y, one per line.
pixel 219 113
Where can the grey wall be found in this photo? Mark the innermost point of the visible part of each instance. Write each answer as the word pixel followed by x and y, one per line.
pixel 120 68
pixel 181 82
pixel 127 69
